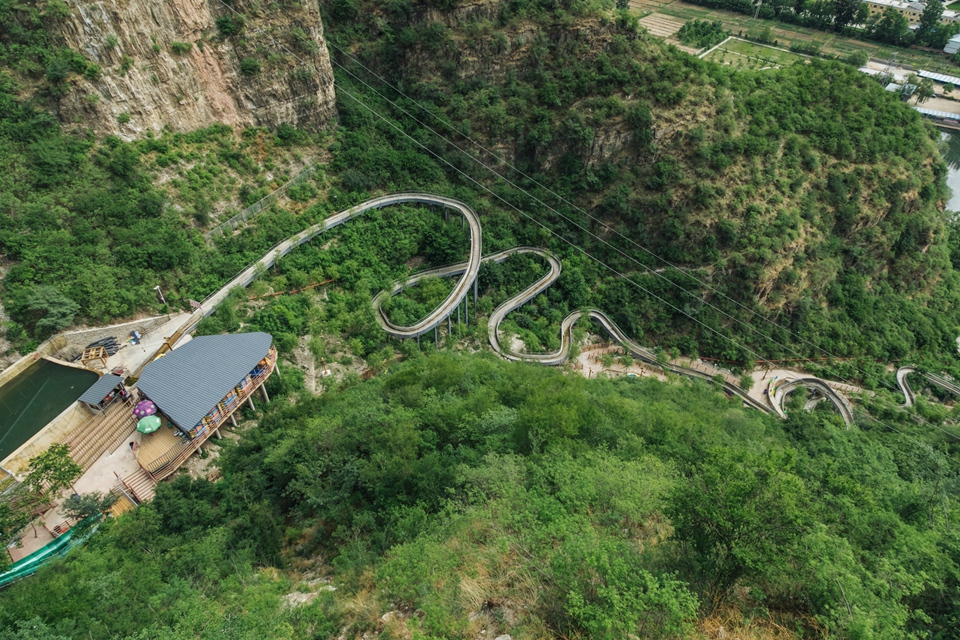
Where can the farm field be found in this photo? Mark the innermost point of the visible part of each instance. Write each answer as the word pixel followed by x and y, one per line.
pixel 741 54
pixel 784 34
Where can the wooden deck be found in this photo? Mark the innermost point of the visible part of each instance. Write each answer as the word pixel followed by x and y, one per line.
pixel 161 453
pixel 155 448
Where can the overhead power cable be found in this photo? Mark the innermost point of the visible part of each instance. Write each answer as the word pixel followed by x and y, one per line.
pixel 539 223
pixel 607 227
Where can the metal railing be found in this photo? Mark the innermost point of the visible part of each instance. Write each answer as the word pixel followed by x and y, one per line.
pixel 260 204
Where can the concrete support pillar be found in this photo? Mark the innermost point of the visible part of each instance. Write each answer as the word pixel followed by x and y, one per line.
pixel 466 310
pixel 458 316
pixel 250 402
pixel 475 297
pixel 233 419
pixel 448 324
pixel 436 340
pixel 263 390
pixel 217 433
pixel 418 342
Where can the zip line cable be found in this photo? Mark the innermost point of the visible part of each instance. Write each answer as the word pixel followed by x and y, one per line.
pixel 607 227
pixel 546 228
pixel 601 240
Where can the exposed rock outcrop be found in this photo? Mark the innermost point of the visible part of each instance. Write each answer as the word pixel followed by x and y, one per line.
pixel 166 64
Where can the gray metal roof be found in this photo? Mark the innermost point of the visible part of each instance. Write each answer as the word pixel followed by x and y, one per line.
pixel 946 115
pixel 939 77
pixel 99 389
pixel 190 380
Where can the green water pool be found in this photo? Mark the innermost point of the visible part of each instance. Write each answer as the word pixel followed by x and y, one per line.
pixel 35 397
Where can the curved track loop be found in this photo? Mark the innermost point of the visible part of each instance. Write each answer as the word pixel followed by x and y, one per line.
pixel 908 394
pixel 469 271
pixel 820 387
pixel 434 318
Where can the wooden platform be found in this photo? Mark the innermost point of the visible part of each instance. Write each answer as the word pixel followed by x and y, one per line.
pixel 160 446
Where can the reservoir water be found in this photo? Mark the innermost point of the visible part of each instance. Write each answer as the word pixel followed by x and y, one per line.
pixel 35 397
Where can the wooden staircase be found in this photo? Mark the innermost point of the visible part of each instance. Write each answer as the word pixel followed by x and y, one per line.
pixel 102 434
pixel 122 505
pixel 140 486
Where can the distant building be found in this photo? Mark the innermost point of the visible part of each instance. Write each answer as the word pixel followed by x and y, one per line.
pixel 953 45
pixel 910 10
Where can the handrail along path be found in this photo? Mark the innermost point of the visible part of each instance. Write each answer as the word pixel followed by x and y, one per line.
pixel 469 271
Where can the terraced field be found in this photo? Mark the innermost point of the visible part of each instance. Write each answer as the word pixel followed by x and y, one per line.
pixel 741 54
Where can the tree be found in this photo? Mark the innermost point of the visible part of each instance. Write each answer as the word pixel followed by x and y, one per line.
pixel 924 90
pixel 51 309
pixel 891 27
pixel 53 470
pixel 846 12
pixel 82 506
pixel 741 514
pixel 929 20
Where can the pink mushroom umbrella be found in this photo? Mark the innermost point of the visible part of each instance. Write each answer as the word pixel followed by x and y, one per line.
pixel 144 408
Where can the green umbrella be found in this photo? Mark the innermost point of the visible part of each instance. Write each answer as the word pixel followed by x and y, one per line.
pixel 148 424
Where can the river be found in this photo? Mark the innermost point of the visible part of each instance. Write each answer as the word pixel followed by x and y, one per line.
pixel 951 154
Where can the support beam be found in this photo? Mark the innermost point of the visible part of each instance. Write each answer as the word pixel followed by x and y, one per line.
pixel 233 419
pixel 263 390
pixel 474 297
pixel 448 323
pixel 418 341
pixel 466 310
pixel 217 433
pixel 436 340
pixel 250 402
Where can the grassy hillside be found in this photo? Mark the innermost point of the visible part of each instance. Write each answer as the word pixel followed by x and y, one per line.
pixel 806 194
pixel 458 494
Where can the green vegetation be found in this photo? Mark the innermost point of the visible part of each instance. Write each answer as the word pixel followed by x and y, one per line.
pixel 787 191
pixel 843 15
pixel 702 33
pixel 463 492
pixel 742 55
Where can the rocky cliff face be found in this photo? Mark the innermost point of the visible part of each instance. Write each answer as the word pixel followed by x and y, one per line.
pixel 168 64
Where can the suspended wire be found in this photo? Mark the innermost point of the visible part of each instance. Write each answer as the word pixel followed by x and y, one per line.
pixel 720 311
pixel 543 226
pixel 607 227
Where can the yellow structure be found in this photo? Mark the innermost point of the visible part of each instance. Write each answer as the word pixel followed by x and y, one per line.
pixel 910 10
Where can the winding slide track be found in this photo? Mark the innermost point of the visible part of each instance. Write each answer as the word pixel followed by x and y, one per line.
pixel 944 383
pixel 469 271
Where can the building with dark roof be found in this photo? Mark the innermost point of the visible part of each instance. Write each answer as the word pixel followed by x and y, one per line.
pixel 102 392
pixel 196 388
